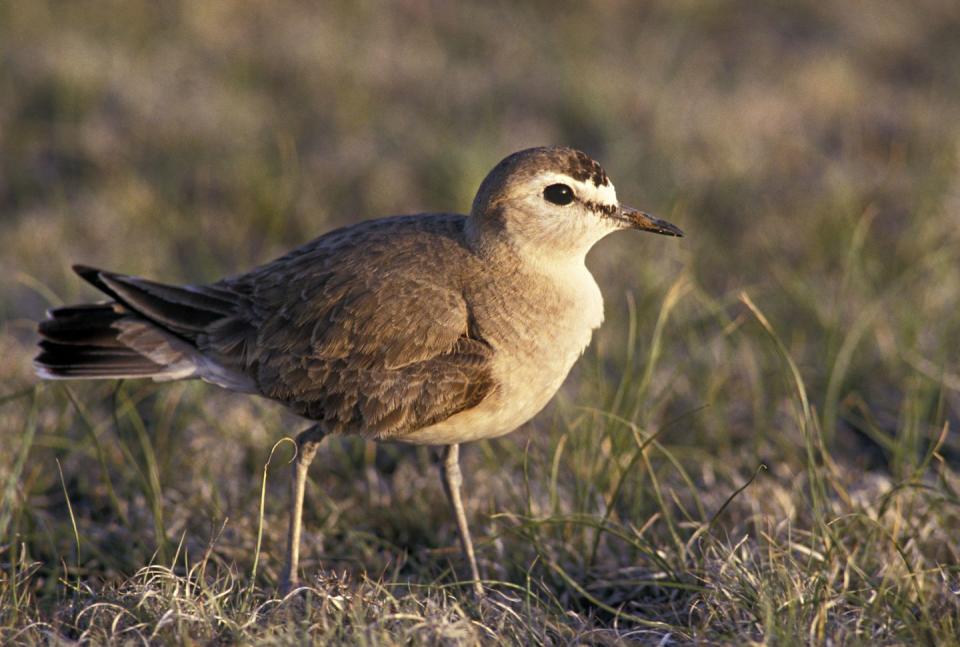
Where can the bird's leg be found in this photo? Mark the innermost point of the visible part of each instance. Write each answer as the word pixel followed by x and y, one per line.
pixel 307 444
pixel 452 479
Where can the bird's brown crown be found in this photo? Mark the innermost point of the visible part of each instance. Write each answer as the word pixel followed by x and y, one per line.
pixel 523 165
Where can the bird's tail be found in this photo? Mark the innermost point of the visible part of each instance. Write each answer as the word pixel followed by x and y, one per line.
pixel 148 331
pixel 82 342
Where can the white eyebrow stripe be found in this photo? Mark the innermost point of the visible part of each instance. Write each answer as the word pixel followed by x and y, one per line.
pixel 605 194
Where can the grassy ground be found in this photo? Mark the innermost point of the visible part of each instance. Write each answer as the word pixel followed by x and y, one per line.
pixel 760 446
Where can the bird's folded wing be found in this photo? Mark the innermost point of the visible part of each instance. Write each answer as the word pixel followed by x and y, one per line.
pixel 377 343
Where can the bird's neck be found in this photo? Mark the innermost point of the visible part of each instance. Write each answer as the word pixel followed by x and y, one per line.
pixel 491 240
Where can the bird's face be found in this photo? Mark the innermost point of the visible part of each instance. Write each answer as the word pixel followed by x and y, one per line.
pixel 556 201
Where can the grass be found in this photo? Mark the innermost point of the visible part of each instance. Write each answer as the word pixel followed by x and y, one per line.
pixel 759 447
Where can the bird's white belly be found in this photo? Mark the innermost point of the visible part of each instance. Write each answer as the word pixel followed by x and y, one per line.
pixel 521 393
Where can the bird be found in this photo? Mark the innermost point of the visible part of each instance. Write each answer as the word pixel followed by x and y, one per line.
pixel 433 328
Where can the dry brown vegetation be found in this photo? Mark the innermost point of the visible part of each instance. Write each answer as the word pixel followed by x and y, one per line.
pixel 760 446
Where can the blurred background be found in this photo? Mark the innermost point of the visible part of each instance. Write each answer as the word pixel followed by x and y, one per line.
pixel 809 150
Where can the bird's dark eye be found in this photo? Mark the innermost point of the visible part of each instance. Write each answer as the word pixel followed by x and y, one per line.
pixel 558 194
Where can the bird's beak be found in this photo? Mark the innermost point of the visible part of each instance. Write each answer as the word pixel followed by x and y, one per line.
pixel 646 222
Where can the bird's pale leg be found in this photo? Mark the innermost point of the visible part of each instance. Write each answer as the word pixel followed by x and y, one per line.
pixel 307 444
pixel 452 480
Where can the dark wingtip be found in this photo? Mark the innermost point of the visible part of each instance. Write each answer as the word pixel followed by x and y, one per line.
pixel 94 276
pixel 88 273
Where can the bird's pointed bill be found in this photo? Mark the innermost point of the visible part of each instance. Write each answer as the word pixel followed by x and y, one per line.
pixel 646 222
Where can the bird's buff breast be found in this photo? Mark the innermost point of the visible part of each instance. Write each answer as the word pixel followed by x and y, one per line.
pixel 533 357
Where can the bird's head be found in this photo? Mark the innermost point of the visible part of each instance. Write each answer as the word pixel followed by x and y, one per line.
pixel 554 201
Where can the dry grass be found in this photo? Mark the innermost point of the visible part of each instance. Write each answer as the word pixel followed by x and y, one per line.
pixel 761 445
